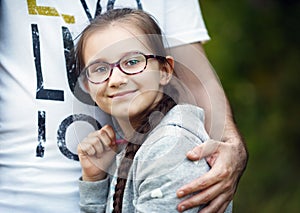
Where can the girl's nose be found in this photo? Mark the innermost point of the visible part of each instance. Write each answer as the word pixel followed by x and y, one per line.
pixel 117 78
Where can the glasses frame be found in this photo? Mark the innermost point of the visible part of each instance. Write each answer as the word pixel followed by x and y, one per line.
pixel 117 64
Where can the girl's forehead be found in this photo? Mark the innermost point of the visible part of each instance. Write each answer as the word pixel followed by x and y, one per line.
pixel 113 41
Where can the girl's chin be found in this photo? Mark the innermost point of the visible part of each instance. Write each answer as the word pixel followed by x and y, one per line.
pixel 125 114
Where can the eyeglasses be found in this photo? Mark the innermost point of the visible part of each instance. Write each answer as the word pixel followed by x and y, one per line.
pixel 132 63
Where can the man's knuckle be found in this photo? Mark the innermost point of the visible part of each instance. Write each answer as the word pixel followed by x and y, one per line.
pixel 206 198
pixel 227 187
pixel 202 184
pixel 224 173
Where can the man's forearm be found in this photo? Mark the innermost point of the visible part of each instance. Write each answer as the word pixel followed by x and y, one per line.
pixel 203 88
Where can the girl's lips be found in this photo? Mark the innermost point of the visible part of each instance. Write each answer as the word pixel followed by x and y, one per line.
pixel 122 94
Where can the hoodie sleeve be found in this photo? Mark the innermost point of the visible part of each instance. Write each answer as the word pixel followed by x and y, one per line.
pixel 161 167
pixel 93 195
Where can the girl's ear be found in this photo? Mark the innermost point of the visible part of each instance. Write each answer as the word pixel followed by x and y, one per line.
pixel 167 71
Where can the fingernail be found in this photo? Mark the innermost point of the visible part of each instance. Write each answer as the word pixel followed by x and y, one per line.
pixel 180 193
pixel 192 153
pixel 182 208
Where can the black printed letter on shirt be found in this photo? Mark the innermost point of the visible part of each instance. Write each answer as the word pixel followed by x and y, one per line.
pixel 41 93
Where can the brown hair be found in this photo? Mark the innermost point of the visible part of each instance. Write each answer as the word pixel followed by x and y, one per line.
pixel 148 26
pixel 131 17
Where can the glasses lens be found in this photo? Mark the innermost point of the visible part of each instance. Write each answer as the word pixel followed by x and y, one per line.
pixel 98 72
pixel 133 63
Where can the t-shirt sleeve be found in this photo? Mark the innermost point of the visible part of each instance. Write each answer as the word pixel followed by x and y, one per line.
pixel 184 22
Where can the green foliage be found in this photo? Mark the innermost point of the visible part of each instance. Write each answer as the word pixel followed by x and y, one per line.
pixel 255 51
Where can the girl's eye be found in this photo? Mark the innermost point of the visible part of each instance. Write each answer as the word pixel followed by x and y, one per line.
pixel 101 69
pixel 132 62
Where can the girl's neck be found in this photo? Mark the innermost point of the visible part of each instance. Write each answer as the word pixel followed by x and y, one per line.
pixel 130 125
pixel 127 128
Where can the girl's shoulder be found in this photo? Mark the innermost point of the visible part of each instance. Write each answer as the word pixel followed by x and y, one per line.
pixel 182 128
pixel 187 110
pixel 164 150
pixel 186 116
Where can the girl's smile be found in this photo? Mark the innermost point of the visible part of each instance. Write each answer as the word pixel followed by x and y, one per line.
pixel 122 95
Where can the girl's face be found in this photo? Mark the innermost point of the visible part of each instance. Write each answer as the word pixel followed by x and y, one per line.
pixel 125 96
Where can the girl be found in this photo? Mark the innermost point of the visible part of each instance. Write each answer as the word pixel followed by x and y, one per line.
pixel 127 72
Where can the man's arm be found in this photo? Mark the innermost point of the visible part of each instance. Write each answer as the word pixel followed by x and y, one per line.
pixel 226 153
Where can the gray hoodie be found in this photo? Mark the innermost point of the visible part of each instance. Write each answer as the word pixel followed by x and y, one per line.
pixel 159 167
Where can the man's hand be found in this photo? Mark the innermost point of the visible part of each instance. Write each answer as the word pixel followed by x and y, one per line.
pixel 228 161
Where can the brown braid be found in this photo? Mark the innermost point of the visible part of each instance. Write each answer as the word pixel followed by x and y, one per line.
pixel 132 147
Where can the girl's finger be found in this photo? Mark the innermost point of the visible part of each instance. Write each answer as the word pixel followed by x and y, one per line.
pixel 85 148
pixel 105 140
pixel 110 132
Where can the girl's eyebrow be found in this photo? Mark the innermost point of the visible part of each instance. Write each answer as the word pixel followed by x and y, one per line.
pixel 103 59
pixel 95 61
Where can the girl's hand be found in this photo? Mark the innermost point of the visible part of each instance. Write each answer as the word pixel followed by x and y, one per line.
pixel 96 153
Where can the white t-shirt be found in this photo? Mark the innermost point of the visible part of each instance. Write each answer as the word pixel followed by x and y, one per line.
pixel 41 120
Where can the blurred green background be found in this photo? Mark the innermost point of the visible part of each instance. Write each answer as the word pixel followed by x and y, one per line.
pixel 255 51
